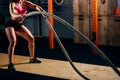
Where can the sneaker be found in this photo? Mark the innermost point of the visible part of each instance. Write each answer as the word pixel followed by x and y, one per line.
pixel 34 60
pixel 11 68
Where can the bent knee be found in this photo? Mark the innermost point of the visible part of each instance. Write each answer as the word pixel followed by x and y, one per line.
pixel 32 39
pixel 12 42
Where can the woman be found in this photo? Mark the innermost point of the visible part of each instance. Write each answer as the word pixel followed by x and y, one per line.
pixel 14 27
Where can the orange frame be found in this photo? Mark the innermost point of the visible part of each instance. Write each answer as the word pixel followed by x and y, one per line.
pixel 95 21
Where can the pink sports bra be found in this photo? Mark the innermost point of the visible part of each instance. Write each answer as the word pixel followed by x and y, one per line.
pixel 19 10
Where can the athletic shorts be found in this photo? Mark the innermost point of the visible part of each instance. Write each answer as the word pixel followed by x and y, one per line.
pixel 13 24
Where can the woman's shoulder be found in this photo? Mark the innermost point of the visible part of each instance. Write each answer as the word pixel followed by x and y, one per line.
pixel 12 3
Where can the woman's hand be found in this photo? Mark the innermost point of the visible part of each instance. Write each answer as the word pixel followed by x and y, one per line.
pixel 40 9
pixel 21 18
pixel 44 16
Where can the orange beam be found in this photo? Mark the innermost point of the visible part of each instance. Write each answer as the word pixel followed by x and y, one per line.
pixel 51 35
pixel 117 10
pixel 95 21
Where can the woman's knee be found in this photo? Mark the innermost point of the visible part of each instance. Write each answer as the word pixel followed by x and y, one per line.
pixel 12 43
pixel 32 39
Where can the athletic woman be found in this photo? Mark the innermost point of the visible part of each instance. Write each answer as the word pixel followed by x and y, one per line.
pixel 14 28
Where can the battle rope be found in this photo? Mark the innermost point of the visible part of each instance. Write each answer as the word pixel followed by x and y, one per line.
pixel 63 49
pixel 59 3
pixel 99 52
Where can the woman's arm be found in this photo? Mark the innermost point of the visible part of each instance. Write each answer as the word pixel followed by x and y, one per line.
pixel 34 6
pixel 11 10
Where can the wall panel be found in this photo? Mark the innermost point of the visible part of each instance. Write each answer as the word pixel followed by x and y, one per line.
pixel 114 30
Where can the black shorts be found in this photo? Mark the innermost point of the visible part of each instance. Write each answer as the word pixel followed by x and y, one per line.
pixel 13 24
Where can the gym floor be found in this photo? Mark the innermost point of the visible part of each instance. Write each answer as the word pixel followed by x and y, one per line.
pixel 54 65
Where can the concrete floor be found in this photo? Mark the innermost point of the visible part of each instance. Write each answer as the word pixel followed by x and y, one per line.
pixel 55 69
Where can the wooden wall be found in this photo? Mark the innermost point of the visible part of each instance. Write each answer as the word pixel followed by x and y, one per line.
pixel 114 30
pixel 108 23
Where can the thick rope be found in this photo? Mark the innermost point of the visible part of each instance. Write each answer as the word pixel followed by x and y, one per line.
pixel 99 52
pixel 63 49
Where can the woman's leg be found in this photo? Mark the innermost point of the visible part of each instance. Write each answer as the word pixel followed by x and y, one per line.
pixel 12 42
pixel 26 34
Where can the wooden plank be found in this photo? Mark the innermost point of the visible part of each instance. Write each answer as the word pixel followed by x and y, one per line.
pixel 103 30
pixel 85 27
pixel 76 25
pixel 114 31
pixel 76 19
pixel 84 7
pixel 76 7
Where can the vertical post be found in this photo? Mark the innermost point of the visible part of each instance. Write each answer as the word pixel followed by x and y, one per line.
pixel 95 22
pixel 51 37
pixel 76 19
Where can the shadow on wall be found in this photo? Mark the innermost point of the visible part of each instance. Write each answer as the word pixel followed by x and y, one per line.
pixel 2 19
